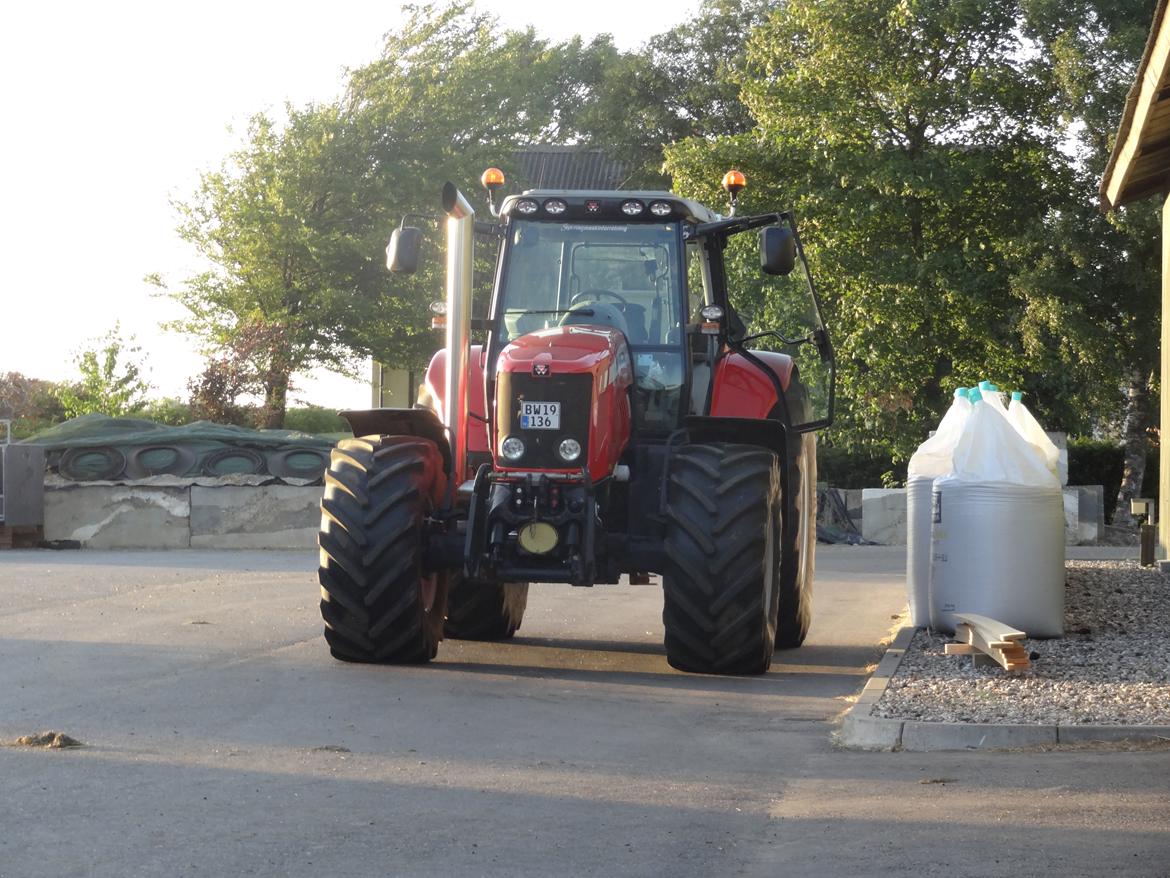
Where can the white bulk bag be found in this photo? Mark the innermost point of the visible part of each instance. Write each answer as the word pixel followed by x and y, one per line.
pixel 998 532
pixel 932 459
pixel 1028 427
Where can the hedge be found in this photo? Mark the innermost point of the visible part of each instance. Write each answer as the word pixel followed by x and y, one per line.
pixel 1090 462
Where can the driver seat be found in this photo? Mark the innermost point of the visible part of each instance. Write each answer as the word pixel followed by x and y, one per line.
pixel 636 320
pixel 597 314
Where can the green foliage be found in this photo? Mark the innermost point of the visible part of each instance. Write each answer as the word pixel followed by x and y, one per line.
pixel 906 138
pixel 1102 462
pixel 111 382
pixel 941 158
pixel 1090 279
pixel 252 361
pixel 315 419
pixel 1097 462
pixel 681 84
pixel 30 403
pixel 169 410
pixel 840 468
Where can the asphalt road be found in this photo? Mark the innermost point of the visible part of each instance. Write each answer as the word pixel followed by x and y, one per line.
pixel 221 739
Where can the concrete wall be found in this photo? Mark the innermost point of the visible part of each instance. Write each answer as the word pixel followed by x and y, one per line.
pixel 883 515
pixel 228 517
pixel 287 517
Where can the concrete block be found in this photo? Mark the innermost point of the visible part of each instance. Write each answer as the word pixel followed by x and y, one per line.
pixel 1076 734
pixel 265 517
pixel 883 515
pixel 119 516
pixel 1072 516
pixel 863 732
pixel 22 485
pixel 853 503
pixel 1060 440
pixel 925 736
pixel 1091 513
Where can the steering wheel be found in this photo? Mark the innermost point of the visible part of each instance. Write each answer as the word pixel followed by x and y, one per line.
pixel 595 293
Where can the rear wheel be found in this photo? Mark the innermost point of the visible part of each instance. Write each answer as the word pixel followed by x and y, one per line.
pixel 798 549
pixel 377 604
pixel 485 610
pixel 720 578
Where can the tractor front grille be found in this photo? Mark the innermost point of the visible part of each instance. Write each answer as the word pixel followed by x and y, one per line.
pixel 575 394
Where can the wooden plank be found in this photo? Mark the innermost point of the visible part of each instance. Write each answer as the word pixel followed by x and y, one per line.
pixel 992 638
pixel 993 630
pixel 959 649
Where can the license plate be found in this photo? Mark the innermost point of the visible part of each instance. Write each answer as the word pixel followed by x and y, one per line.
pixel 540 415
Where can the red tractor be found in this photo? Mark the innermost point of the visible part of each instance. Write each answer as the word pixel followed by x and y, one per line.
pixel 620 419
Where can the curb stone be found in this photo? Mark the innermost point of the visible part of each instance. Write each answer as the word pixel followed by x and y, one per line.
pixel 861 731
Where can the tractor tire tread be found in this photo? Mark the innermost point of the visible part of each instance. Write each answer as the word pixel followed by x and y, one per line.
pixel 719 579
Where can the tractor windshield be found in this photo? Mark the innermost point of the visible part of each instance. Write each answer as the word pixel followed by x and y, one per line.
pixel 630 271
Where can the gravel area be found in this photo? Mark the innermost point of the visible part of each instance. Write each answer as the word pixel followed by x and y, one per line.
pixel 1112 667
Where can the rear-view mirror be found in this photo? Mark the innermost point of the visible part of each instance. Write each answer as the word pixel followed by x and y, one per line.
pixel 403 250
pixel 777 250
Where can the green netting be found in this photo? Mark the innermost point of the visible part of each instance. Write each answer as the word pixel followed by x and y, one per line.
pixel 96 448
pixel 97 430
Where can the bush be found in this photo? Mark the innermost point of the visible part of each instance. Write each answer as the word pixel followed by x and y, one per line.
pixel 169 410
pixel 315 419
pixel 33 405
pixel 1097 462
pixel 845 469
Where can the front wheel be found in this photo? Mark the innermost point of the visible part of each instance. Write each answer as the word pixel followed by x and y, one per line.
pixel 798 549
pixel 485 610
pixel 719 585
pixel 377 604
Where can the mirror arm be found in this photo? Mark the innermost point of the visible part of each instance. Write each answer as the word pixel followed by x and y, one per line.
pixel 493 230
pixel 735 225
pixel 425 217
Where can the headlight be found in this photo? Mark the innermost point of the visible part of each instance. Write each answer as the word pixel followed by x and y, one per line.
pixel 660 208
pixel 512 448
pixel 569 450
pixel 555 206
pixel 527 206
pixel 632 208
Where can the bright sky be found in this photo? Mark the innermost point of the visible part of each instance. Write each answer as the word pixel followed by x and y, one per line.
pixel 113 108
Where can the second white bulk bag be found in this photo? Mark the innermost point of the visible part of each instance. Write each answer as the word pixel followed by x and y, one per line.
pixel 932 459
pixel 998 532
pixel 1028 427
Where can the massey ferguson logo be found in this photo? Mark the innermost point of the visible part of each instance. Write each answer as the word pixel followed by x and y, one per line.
pixel 541 370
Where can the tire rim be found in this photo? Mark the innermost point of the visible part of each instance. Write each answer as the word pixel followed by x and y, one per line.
pixel 428 587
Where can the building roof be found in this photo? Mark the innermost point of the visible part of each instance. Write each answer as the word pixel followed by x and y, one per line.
pixel 568 167
pixel 1140 163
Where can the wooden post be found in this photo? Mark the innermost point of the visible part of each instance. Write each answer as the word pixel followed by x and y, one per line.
pixel 1164 447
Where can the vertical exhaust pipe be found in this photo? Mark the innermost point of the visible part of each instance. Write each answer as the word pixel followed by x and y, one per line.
pixel 460 262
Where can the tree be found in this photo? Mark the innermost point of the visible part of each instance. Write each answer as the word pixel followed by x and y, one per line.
pixel 912 141
pixel 1092 280
pixel 265 223
pixel 295 222
pixel 30 403
pixel 681 83
pixel 111 382
pixel 244 365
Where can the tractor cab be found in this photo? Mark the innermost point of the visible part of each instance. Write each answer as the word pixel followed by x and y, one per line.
pixel 590 259
pixel 653 267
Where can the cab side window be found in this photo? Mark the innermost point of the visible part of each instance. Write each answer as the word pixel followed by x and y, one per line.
pixel 697 293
